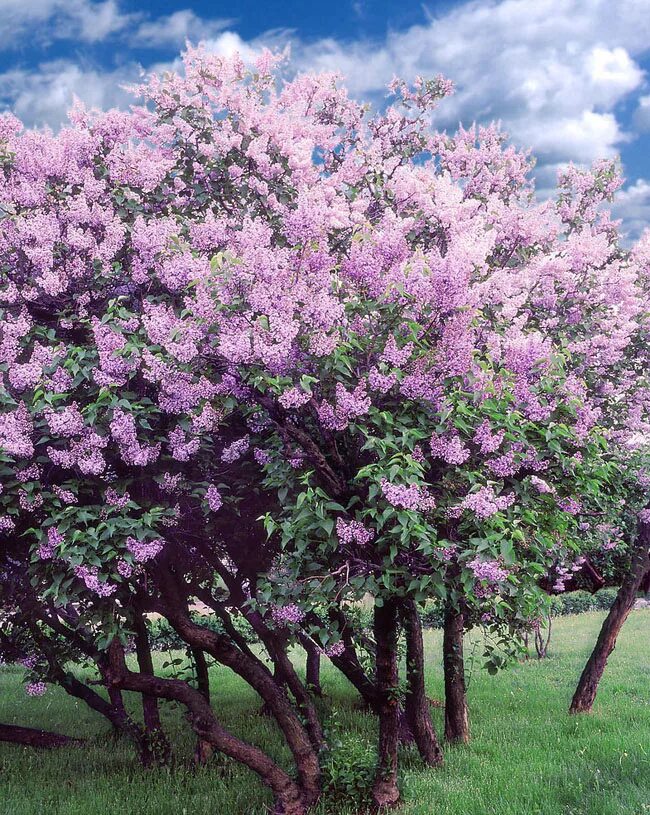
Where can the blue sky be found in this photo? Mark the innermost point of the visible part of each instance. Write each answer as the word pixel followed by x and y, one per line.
pixel 569 78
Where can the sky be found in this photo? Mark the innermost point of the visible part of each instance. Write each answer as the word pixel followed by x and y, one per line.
pixel 568 78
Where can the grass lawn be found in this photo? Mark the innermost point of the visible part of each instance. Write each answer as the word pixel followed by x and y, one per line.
pixel 527 756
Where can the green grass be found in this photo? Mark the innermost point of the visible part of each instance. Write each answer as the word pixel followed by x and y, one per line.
pixel 527 756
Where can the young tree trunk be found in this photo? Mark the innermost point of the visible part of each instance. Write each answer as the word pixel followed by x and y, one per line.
pixel 30 737
pixel 202 674
pixel 416 704
pixel 456 713
pixel 585 693
pixel 156 742
pixel 257 675
pixel 203 750
pixel 312 665
pixel 289 796
pixel 385 792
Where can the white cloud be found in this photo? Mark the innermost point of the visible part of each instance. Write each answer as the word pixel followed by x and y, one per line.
pixel 553 71
pixel 47 20
pixel 642 114
pixel 43 97
pixel 632 205
pixel 175 28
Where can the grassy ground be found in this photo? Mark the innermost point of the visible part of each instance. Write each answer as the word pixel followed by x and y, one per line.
pixel 527 756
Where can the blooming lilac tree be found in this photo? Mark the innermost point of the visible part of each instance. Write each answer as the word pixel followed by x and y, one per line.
pixel 247 300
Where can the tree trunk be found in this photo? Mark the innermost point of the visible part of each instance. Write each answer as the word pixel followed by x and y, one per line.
pixel 416 704
pixel 157 747
pixel 202 674
pixel 257 675
pixel 289 796
pixel 203 750
pixel 312 666
pixel 456 713
pixel 385 792
pixel 29 737
pixel 585 693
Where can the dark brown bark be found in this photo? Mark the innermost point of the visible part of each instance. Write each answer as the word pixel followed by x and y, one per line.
pixel 585 693
pixel 541 642
pixel 349 664
pixel 312 666
pixel 29 737
pixel 203 750
pixel 285 674
pixel 385 792
pixel 202 674
pixel 416 704
pixel 456 713
pixel 205 724
pixel 257 675
pixel 157 747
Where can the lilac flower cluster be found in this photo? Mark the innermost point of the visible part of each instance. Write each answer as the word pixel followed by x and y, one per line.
pixel 503 466
pixel 213 497
pixel 123 430
pixel 67 423
pixel 289 614
pixel 294 398
pixel 65 496
pixel 143 551
pixel 485 503
pixel 114 499
pixel 543 487
pixel 47 548
pixel 35 688
pixel 351 532
pixel 349 405
pixel 490 570
pixel 450 449
pixel 408 497
pixel 487 441
pixel 570 505
pixel 181 448
pixel 235 450
pixel 89 575
pixel 335 649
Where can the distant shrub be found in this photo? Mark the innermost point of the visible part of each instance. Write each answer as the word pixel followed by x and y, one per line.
pixel 578 602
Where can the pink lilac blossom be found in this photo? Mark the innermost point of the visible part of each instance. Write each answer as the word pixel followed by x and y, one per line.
pixel 144 551
pixel 67 423
pixel 124 569
pixel 114 499
pixel 213 497
pixel 407 497
pixel 235 450
pixel 450 449
pixel 490 570
pixel 89 575
pixel 488 441
pixel 289 614
pixel 350 532
pixel 35 688
pixel 48 547
pixel 65 496
pixel 484 503
pixel 570 505
pixel 543 487
pixel 7 524
pixel 335 650
pixel 294 398
pixel 644 516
